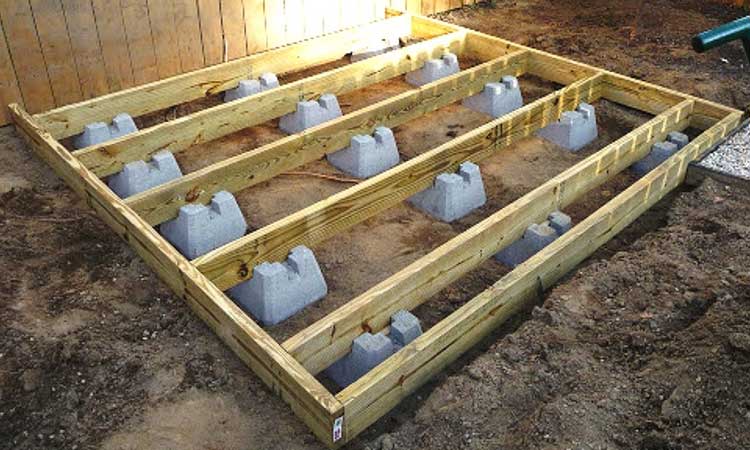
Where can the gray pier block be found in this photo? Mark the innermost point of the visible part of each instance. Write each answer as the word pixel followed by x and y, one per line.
pixel 405 327
pixel 277 291
pixel 139 176
pixel 535 238
pixel 374 47
pixel 100 132
pixel 497 99
pixel 660 152
pixel 575 129
pixel 369 350
pixel 367 155
pixel 198 229
pixel 434 69
pixel 453 195
pixel 310 114
pixel 246 88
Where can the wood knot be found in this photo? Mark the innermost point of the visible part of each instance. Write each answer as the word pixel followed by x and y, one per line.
pixel 243 272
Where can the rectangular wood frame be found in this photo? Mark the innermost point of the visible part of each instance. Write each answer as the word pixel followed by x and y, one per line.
pixel 289 368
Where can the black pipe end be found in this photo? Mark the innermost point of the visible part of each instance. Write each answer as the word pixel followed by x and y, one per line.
pixel 699 45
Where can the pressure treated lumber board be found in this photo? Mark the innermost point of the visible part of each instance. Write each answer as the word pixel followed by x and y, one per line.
pixel 307 397
pixel 383 387
pixel 213 123
pixel 69 120
pixel 317 346
pixel 232 264
pixel 163 202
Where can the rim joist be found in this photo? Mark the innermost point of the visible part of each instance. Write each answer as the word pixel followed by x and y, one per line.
pixel 289 368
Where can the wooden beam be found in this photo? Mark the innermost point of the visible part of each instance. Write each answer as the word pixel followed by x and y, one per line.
pixel 330 338
pixel 233 263
pixel 69 120
pixel 163 202
pixel 213 123
pixel 377 392
pixel 307 397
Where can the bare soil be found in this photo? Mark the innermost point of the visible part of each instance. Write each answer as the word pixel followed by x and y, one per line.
pixel 646 346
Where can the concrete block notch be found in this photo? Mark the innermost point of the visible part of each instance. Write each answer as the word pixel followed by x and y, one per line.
pixel 139 176
pixel 246 88
pixel 367 156
pixel 575 129
pixel 534 239
pixel 280 290
pixel 434 69
pixel 453 195
pixel 310 114
pixel 373 47
pixel 369 350
pixel 660 152
pixel 497 99
pixel 100 132
pixel 198 229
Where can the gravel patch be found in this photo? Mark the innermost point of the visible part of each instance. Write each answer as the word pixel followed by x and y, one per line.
pixel 733 156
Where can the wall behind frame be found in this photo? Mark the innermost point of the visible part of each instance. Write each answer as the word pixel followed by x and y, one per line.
pixel 57 52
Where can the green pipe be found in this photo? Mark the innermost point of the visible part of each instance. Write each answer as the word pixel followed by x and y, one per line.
pixel 732 31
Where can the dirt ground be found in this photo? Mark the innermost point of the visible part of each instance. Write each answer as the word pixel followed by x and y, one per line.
pixel 646 346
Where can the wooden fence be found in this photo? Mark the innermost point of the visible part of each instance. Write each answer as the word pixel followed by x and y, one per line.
pixel 57 52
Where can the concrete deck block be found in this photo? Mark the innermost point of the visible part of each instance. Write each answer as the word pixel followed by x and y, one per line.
pixel 310 114
pixel 535 238
pixel 374 47
pixel 198 229
pixel 560 222
pixel 678 139
pixel 367 155
pixel 497 99
pixel 405 327
pixel 246 88
pixel 575 129
pixel 369 350
pixel 99 132
pixel 139 176
pixel 660 152
pixel 434 69
pixel 453 195
pixel 277 291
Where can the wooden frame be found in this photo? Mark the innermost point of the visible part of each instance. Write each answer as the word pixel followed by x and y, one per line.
pixel 289 368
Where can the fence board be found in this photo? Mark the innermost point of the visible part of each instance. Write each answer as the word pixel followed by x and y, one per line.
pixel 26 54
pixel 57 51
pixel 114 44
pixel 84 39
pixel 164 33
pixel 140 42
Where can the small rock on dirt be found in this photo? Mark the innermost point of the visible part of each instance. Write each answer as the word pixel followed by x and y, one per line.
pixel 31 378
pixel 740 342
